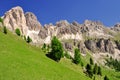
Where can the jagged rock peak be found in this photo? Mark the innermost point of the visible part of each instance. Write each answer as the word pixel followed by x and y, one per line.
pixel 89 22
pixel 32 22
pixel 16 9
pixel 75 23
pixel 14 18
pixel 62 23
pixel 116 27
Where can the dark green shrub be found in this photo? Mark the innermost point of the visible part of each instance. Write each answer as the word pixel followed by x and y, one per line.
pixel 17 31
pixel 28 40
pixel 44 46
pixel 1 20
pixel 57 49
pixel 95 69
pixel 91 61
pixel 99 71
pixel 106 78
pixel 4 30
pixel 89 70
pixel 48 48
pixel 113 63
pixel 77 58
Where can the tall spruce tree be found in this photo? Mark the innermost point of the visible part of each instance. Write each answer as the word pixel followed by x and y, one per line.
pixel 57 49
pixel 99 71
pixel 89 70
pixel 77 58
pixel 95 69
pixel 91 61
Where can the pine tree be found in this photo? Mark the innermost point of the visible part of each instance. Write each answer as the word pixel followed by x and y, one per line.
pixel 77 58
pixel 89 70
pixel 95 69
pixel 91 61
pixel 57 49
pixel 99 71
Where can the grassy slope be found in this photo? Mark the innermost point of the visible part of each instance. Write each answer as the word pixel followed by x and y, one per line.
pixel 20 61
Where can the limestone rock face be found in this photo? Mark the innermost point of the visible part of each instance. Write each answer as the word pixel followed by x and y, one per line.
pixel 68 46
pixel 81 47
pixel 15 18
pixel 91 45
pixel 62 23
pixel 43 33
pixel 32 22
pixel 94 29
pixel 101 45
pixel 109 46
pixel 116 27
pixel 27 23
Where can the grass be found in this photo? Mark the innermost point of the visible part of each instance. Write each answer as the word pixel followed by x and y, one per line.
pixel 21 61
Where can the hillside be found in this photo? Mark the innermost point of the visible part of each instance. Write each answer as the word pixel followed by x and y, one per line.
pixel 20 61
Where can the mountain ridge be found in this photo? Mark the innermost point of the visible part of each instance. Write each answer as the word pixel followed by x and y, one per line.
pixel 90 36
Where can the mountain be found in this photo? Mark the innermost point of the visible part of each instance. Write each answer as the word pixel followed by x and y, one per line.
pixel 27 23
pixel 20 60
pixel 90 36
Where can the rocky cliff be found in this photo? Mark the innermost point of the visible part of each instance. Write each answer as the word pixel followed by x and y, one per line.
pixel 26 22
pixel 90 36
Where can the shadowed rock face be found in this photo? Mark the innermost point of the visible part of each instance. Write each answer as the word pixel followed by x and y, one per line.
pixel 68 46
pixel 91 45
pixel 32 22
pixel 109 46
pixel 43 33
pixel 101 45
pixel 81 47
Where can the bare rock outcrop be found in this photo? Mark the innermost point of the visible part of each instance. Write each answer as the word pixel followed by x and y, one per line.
pixel 62 23
pixel 91 45
pixel 81 47
pixel 101 45
pixel 43 33
pixel 15 18
pixel 116 27
pixel 109 46
pixel 68 46
pixel 32 22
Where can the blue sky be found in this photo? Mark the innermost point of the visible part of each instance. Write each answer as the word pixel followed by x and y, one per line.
pixel 51 11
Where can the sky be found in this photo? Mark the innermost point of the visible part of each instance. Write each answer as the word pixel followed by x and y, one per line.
pixel 51 11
